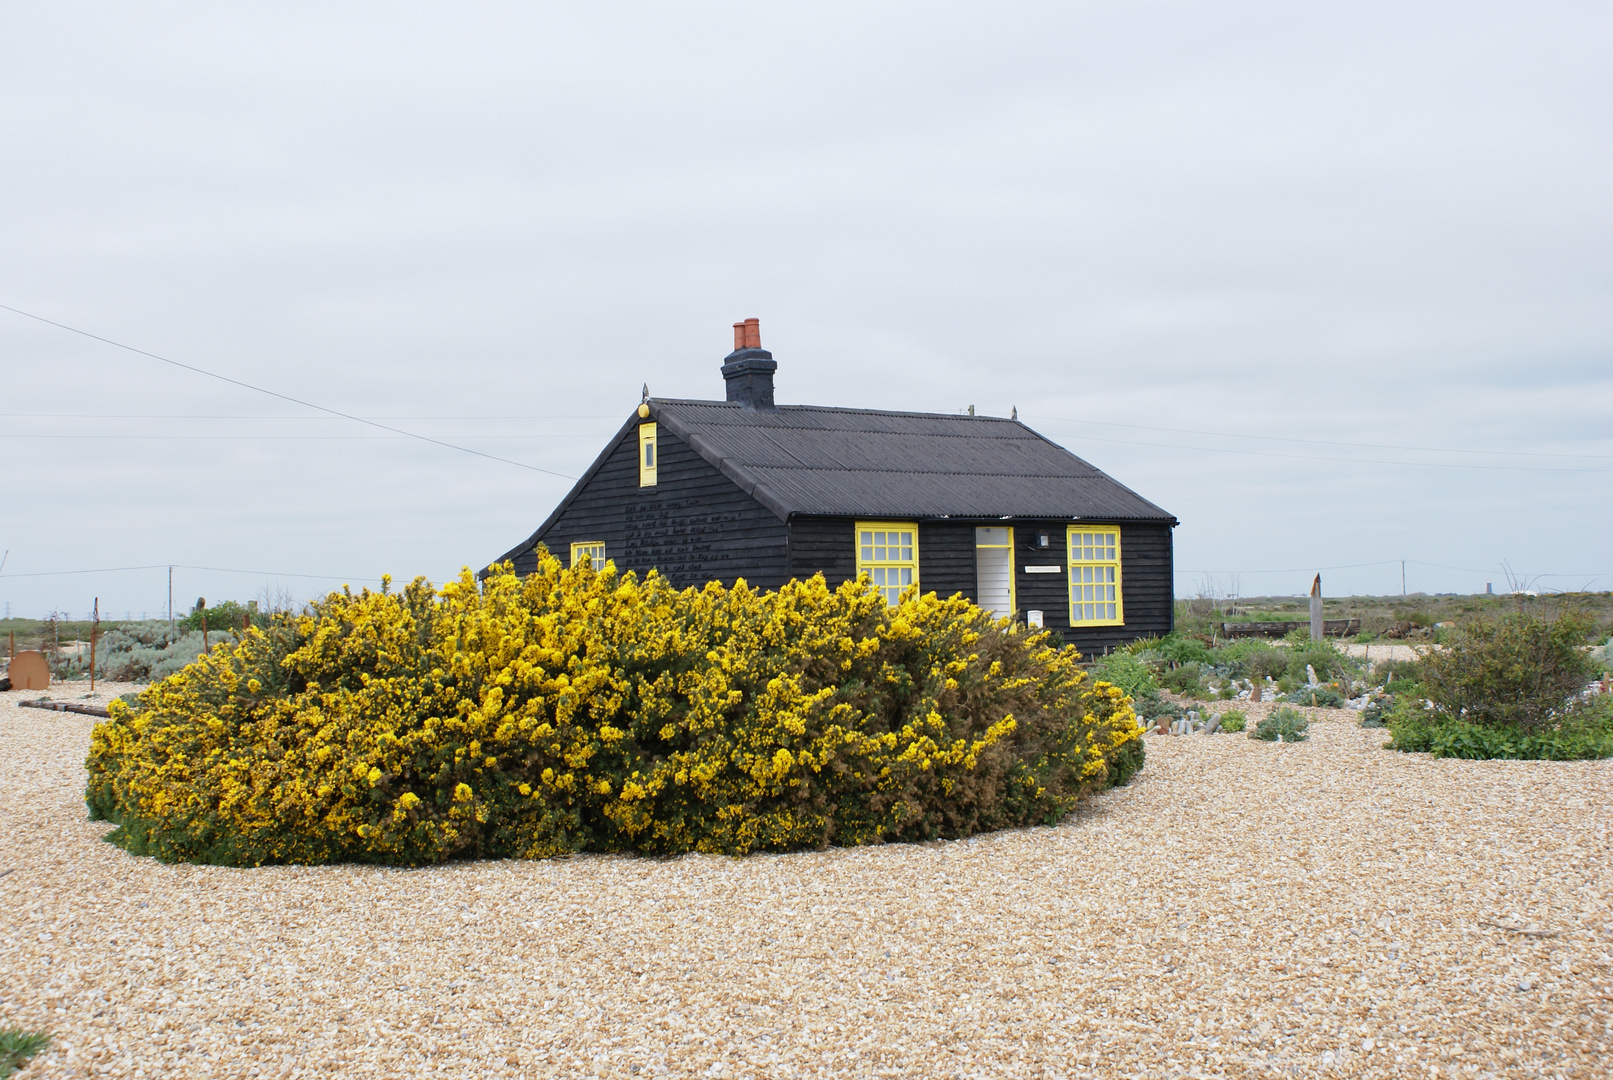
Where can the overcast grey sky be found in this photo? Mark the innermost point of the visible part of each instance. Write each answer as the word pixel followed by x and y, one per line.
pixel 1331 283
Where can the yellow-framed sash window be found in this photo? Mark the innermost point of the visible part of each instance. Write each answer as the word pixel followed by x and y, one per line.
pixel 647 458
pixel 1095 597
pixel 592 551
pixel 888 552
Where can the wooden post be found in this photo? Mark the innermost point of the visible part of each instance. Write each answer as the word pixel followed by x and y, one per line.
pixel 201 606
pixel 95 624
pixel 1316 609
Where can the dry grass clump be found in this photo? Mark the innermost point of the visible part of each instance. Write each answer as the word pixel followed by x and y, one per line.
pixel 1242 909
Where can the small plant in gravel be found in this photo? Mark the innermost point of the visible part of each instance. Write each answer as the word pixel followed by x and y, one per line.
pixel 579 711
pixel 18 1046
pixel 1234 720
pixel 1285 723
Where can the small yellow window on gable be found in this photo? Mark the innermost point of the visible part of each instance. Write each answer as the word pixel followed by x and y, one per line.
pixel 646 455
pixel 1095 598
pixel 888 552
pixel 589 551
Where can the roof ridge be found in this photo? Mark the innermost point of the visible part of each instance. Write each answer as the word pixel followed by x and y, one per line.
pixel 660 402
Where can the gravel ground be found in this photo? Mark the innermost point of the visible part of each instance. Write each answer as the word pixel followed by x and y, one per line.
pixel 1243 909
pixel 1377 652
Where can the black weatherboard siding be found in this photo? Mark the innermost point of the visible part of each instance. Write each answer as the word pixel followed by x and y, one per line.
pixel 694 525
pixel 750 489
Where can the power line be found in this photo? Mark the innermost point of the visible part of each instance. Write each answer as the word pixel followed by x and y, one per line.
pixel 1334 460
pixel 282 397
pixel 267 438
pixel 187 566
pixel 1382 562
pixel 1328 442
pixel 297 419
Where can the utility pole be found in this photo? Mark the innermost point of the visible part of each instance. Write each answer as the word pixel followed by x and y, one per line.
pixel 170 603
pixel 1402 579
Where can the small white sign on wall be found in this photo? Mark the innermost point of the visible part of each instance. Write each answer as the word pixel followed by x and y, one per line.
pixel 1034 618
pixel 1043 569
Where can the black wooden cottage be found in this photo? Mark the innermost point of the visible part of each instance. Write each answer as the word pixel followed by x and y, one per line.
pixel 744 488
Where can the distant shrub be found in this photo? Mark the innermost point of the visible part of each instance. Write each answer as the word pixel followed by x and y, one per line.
pixel 1386 671
pixel 1317 697
pixel 1265 663
pixel 1329 664
pixel 224 616
pixel 1376 714
pixel 574 711
pixel 137 652
pixel 1290 725
pixel 1234 720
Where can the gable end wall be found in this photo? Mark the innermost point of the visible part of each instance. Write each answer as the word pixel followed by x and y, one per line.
pixel 694 526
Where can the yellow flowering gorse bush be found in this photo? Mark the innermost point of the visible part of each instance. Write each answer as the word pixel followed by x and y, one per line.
pixel 579 711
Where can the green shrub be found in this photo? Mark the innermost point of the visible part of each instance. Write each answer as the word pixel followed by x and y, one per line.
pixel 1317 697
pixel 17 1046
pixel 1285 723
pixel 224 616
pixel 1234 720
pixel 1180 649
pixel 1586 735
pixel 1264 663
pixel 1386 671
pixel 1376 714
pixel 571 711
pixel 1514 671
pixel 1329 664
pixel 1124 670
pixel 1188 679
pixel 1152 708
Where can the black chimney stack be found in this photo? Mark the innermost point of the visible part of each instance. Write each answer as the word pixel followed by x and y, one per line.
pixel 748 370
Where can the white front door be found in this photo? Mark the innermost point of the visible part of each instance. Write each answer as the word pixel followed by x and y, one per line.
pixel 994 566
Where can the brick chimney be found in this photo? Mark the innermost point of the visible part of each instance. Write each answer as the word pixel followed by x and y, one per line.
pixel 748 370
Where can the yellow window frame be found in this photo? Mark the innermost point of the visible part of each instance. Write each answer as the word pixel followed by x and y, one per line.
pixel 888 552
pixel 1096 594
pixel 592 550
pixel 649 458
pixel 1013 590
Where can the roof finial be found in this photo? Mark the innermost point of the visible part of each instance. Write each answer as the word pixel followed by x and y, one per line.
pixel 646 396
pixel 1013 414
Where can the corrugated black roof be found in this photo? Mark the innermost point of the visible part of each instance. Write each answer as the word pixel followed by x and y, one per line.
pixel 805 459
